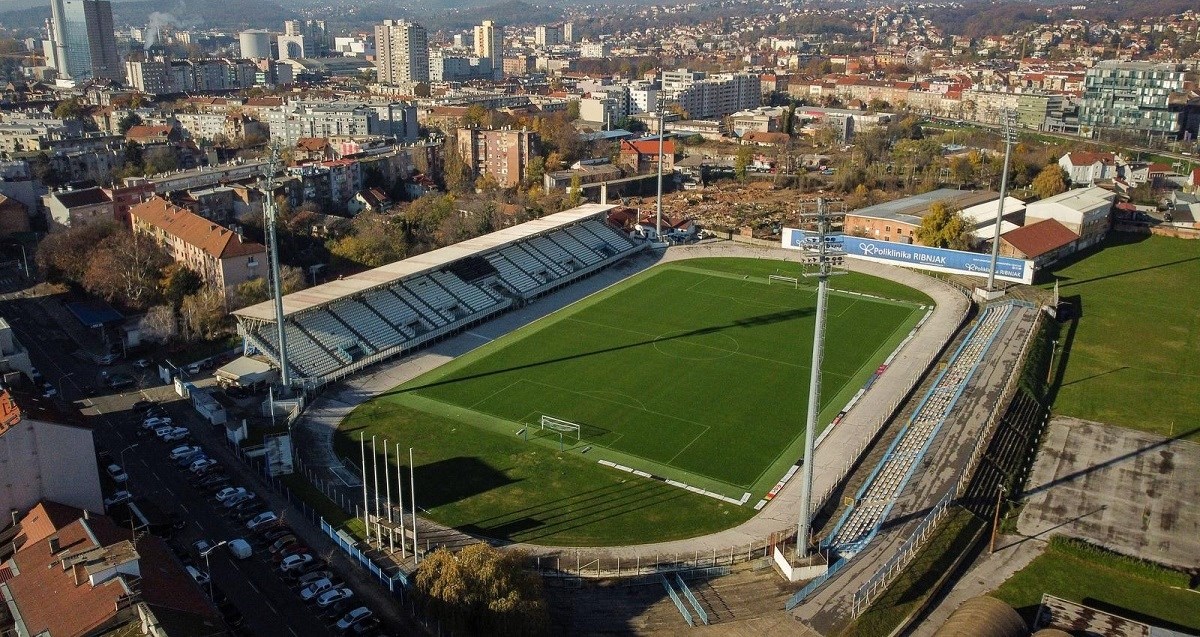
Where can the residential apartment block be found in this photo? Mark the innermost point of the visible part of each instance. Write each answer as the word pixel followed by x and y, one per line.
pixel 46 453
pixel 1142 97
pixel 222 257
pixel 502 154
pixel 403 52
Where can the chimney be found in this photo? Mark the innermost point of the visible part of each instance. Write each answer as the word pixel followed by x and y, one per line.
pixel 87 515
pixel 53 542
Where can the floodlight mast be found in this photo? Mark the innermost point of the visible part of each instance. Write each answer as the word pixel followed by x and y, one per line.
pixel 1010 135
pixel 270 216
pixel 658 199
pixel 823 252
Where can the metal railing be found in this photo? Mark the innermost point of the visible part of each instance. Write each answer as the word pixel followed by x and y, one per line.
pixel 687 616
pixel 687 592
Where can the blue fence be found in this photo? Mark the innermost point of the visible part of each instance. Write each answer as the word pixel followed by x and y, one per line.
pixel 390 581
pixel 808 589
pixel 687 592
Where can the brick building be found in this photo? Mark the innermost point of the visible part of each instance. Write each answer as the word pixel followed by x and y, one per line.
pixel 503 153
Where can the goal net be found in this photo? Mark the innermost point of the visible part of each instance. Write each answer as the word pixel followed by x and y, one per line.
pixel 786 280
pixel 558 425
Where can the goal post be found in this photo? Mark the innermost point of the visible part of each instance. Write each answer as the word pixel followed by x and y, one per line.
pixel 560 426
pixel 776 278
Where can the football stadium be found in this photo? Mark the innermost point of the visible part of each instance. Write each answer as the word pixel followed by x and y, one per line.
pixel 667 404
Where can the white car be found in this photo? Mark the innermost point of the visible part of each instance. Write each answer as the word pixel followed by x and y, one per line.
pixel 316 588
pixel 329 598
pixel 176 434
pixel 49 391
pixel 201 466
pixel 141 363
pixel 120 497
pixel 116 473
pixel 362 613
pixel 185 450
pixel 293 562
pixel 154 422
pixel 261 520
pixel 229 492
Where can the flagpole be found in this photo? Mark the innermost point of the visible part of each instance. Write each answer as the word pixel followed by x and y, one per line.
pixel 412 485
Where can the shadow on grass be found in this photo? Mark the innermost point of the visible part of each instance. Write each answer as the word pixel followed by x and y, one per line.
pixel 754 321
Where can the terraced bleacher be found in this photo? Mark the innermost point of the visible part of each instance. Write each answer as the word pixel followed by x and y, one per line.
pixel 325 339
pixel 875 499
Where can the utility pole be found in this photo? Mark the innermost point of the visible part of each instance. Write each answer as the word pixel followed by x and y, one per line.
pixel 270 217
pixel 1009 136
pixel 823 253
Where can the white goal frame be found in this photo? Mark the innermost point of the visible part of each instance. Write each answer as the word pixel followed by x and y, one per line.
pixel 560 426
pixel 795 281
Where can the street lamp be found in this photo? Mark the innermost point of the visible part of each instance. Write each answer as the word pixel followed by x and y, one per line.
pixel 122 456
pixel 63 380
pixel 208 567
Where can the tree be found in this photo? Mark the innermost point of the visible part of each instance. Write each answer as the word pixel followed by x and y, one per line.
pixel 455 172
pixel 575 192
pixel 745 156
pixel 1051 181
pixel 160 159
pixel 63 255
pixel 130 120
pixel 573 110
pixel 178 282
pixel 487 183
pixel 535 170
pixel 70 108
pixel 159 324
pixel 944 228
pixel 124 269
pixel 374 240
pixel 256 290
pixel 203 314
pixel 483 591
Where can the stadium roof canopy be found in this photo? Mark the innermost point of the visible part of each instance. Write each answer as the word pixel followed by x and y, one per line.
pixel 389 274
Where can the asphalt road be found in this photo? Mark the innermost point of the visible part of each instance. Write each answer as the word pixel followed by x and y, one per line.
pixel 268 605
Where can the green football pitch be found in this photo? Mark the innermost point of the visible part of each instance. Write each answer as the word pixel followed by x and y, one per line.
pixel 695 372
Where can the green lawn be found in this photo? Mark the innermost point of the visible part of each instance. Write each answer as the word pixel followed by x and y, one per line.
pixel 695 372
pixel 1133 355
pixel 911 588
pixel 1081 573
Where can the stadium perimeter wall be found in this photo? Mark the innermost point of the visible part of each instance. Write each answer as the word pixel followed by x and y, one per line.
pixel 835 456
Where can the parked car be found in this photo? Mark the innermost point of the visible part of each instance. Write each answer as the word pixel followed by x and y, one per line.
pixel 49 391
pixel 183 451
pixel 176 434
pixel 369 626
pixel 141 363
pixel 200 547
pixel 265 519
pixel 255 509
pixel 116 473
pixel 213 483
pixel 143 405
pixel 229 492
pixel 193 369
pixel 120 381
pixel 240 548
pixel 107 359
pixel 154 422
pixel 311 591
pixel 329 598
pixel 282 543
pixel 120 497
pixel 238 499
pixel 187 461
pixel 360 614
pixel 317 564
pixel 313 576
pixel 198 575
pixel 202 465
pixel 294 562
pixel 295 549
pixel 272 534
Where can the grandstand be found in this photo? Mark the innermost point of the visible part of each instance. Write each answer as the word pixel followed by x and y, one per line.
pixel 341 326
pixel 874 501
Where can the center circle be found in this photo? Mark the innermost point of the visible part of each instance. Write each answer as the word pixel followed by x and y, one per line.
pixel 696 345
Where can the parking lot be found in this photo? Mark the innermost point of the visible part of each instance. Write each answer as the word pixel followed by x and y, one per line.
pixel 179 496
